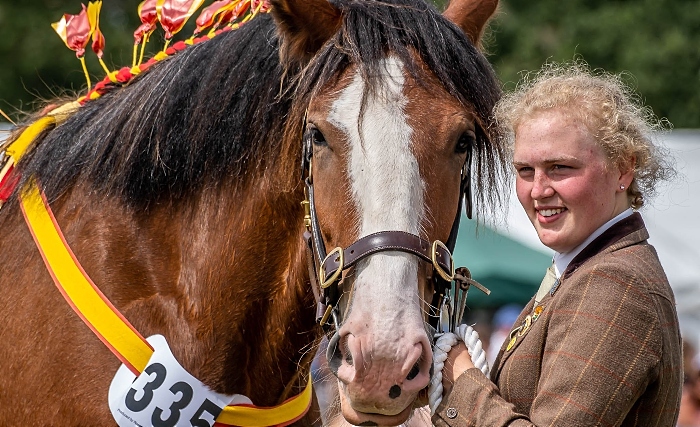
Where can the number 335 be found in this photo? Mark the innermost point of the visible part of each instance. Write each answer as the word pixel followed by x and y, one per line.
pixel 180 387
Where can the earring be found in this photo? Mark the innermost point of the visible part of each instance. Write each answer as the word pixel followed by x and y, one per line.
pixel 622 187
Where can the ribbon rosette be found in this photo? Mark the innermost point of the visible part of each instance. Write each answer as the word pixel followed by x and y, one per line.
pixel 216 12
pixel 261 8
pixel 98 39
pixel 76 30
pixel 173 14
pixel 149 17
pixel 226 12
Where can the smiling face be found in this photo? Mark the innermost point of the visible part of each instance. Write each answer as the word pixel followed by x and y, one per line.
pixel 564 180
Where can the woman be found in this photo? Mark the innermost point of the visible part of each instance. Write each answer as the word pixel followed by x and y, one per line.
pixel 599 344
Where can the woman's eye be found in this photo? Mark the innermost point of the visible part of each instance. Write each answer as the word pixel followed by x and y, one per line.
pixel 466 140
pixel 525 171
pixel 317 137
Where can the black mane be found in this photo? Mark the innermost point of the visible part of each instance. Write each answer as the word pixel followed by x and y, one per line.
pixel 199 116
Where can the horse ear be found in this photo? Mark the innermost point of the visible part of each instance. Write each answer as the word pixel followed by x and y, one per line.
pixel 304 26
pixel 471 16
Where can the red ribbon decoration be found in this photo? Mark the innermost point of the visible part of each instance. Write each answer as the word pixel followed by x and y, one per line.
pixel 174 13
pixel 75 31
pixel 149 17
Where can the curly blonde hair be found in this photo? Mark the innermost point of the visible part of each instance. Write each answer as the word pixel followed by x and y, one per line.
pixel 611 111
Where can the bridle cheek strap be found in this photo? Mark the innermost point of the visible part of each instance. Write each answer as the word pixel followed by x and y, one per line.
pixel 325 268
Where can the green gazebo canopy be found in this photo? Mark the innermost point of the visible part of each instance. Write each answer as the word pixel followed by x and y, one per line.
pixel 511 270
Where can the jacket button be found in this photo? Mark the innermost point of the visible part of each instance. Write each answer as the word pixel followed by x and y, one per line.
pixel 451 413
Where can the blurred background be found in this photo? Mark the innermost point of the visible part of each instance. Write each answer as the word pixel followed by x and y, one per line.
pixel 655 43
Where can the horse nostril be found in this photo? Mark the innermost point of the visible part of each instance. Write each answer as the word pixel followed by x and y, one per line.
pixel 348 358
pixel 394 391
pixel 413 373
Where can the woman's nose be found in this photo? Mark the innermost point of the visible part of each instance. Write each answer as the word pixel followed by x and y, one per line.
pixel 541 186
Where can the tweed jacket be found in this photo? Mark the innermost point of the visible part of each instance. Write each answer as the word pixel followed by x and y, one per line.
pixel 605 351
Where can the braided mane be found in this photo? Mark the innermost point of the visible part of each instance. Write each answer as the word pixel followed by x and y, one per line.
pixel 194 118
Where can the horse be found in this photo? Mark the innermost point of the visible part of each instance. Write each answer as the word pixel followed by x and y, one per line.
pixel 180 195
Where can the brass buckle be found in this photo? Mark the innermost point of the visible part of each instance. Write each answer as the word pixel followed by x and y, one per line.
pixel 331 311
pixel 433 256
pixel 322 274
pixel 307 213
pixel 326 315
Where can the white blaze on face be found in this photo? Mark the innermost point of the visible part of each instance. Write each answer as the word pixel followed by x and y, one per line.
pixel 387 189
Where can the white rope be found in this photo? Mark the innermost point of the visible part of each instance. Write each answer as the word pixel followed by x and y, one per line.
pixel 471 338
pixel 443 345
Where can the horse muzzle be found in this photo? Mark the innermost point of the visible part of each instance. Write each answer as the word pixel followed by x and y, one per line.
pixel 380 375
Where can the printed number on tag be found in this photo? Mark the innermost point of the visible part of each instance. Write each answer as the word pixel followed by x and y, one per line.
pixel 164 394
pixel 181 391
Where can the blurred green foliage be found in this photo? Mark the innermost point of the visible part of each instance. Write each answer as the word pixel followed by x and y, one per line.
pixel 35 65
pixel 657 42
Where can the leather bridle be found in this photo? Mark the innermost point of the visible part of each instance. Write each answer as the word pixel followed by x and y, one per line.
pixel 325 268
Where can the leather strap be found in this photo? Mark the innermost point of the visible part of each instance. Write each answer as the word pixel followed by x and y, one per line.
pixel 315 286
pixel 319 246
pixel 388 241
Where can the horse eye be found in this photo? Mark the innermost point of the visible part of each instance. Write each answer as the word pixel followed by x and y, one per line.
pixel 317 137
pixel 466 140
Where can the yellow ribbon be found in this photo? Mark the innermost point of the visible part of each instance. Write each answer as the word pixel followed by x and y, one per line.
pixel 283 414
pixel 17 149
pixel 85 298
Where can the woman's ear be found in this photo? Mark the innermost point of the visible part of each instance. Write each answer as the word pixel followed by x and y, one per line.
pixel 471 16
pixel 627 169
pixel 304 26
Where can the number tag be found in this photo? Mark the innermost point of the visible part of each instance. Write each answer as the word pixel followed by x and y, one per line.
pixel 165 394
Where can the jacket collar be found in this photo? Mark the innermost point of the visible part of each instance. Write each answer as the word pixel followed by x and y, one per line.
pixel 609 237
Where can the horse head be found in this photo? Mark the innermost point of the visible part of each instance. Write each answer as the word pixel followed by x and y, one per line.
pixel 397 102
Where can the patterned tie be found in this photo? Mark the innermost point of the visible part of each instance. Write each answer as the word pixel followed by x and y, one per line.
pixel 550 278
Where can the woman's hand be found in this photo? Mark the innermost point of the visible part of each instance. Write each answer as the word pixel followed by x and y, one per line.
pixel 458 361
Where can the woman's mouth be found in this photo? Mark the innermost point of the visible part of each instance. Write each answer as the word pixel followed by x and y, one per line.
pixel 549 215
pixel 550 212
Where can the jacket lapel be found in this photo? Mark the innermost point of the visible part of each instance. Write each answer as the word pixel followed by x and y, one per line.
pixel 504 353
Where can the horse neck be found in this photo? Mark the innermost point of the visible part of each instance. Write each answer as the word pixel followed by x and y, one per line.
pixel 248 267
pixel 221 275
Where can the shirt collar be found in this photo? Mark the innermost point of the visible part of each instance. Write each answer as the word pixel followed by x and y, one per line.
pixel 562 260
